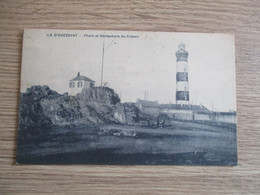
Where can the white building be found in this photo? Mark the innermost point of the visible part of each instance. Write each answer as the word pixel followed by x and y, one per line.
pixel 79 83
pixel 148 107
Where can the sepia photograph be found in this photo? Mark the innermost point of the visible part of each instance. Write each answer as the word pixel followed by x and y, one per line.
pixel 127 98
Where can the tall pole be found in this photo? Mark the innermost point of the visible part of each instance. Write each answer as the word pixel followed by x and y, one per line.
pixel 102 68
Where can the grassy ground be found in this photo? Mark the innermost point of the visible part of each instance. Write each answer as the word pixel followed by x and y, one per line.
pixel 181 143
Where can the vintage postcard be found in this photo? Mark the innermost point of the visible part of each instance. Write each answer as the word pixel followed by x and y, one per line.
pixel 127 98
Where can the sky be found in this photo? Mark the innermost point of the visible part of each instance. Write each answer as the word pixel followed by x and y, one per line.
pixel 134 62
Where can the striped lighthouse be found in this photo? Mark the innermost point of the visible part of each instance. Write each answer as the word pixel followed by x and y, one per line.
pixel 182 83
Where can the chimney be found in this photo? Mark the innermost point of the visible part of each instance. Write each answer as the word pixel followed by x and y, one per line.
pixel 78 74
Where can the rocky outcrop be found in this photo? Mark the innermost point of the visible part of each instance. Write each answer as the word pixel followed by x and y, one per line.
pixel 41 106
pixel 31 112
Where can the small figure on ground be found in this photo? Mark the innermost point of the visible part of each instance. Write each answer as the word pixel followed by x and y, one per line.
pixel 158 122
pixel 163 122
pixel 148 122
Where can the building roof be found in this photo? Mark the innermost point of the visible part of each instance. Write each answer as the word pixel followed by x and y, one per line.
pixel 155 104
pixel 147 103
pixel 197 108
pixel 81 78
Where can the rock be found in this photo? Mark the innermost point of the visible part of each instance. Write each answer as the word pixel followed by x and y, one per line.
pixel 31 112
pixel 41 106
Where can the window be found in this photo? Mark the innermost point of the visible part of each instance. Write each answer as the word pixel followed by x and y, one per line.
pixel 72 84
pixel 79 84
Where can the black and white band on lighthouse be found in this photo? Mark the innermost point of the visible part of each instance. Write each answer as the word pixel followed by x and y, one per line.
pixel 182 83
